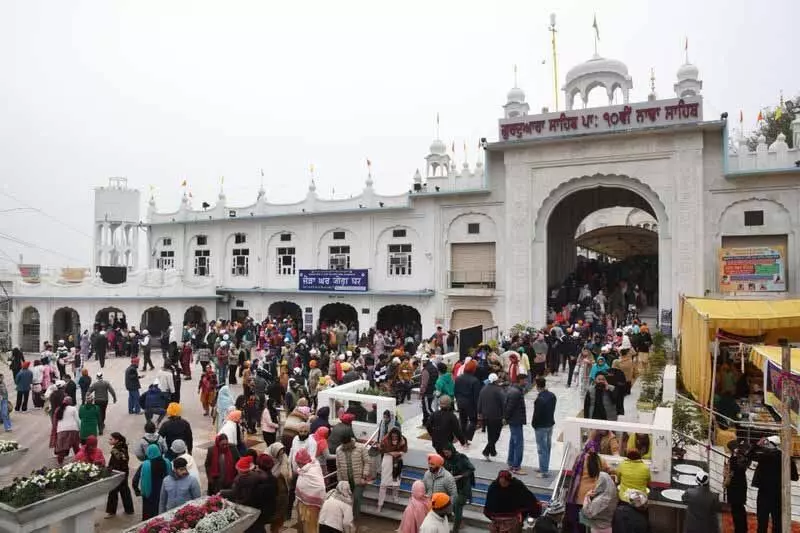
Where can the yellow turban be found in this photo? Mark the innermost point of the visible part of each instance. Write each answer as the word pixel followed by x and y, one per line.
pixel 174 409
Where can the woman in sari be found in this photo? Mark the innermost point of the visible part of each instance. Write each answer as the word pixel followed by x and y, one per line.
pixel 417 509
pixel 148 479
pixel 586 471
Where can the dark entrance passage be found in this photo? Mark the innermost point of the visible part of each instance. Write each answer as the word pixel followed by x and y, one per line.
pixel 334 313
pixel 283 309
pixel 404 317
pixel 156 320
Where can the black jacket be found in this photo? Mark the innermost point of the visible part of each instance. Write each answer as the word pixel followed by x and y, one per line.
pixel 467 389
pixel 433 375
pixel 628 519
pixel 492 402
pixel 100 345
pixel 702 507
pixel 515 413
pixel 443 427
pixel 258 490
pixel 768 474
pixel 132 378
pixel 175 428
pixel 71 390
pixel 544 410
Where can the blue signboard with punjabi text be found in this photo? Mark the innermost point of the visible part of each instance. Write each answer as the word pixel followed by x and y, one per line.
pixel 333 280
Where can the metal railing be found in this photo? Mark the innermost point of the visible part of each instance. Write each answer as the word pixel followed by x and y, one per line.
pixel 560 490
pixel 472 279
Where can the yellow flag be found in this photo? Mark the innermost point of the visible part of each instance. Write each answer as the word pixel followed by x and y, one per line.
pixel 183 183
pixel 778 113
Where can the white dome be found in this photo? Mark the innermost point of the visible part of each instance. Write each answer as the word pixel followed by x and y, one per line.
pixel 597 65
pixel 516 96
pixel 438 147
pixel 688 72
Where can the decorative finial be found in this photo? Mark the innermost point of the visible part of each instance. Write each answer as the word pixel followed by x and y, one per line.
pixel 369 173
pixel 515 76
pixel 653 80
pixel 781 99
pixel 596 34
pixel 686 50
pixel 261 191
pixel 437 124
pixel 312 187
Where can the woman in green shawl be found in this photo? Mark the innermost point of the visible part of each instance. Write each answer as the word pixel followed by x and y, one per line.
pixel 89 413
pixel 463 472
pixel 148 479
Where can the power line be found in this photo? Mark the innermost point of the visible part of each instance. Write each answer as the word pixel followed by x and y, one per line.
pixel 31 245
pixel 46 214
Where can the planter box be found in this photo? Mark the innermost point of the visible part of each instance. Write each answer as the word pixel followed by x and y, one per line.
pixel 247 516
pixel 9 458
pixel 72 510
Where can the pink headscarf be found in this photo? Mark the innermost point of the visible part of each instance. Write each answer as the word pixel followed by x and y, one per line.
pixel 418 507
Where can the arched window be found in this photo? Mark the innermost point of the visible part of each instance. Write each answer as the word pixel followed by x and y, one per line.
pixel 202 256
pixel 165 254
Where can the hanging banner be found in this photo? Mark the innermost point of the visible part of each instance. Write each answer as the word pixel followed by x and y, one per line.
pixel 333 280
pixel 773 389
pixel 756 269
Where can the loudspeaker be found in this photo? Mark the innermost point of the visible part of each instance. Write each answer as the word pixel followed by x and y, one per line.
pixel 113 275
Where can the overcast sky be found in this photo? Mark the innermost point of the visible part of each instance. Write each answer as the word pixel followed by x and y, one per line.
pixel 161 91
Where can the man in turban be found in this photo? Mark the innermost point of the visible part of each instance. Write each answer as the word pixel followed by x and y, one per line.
pixel 436 519
pixel 176 427
pixel 437 479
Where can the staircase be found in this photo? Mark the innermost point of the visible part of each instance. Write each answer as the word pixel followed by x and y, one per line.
pixel 474 520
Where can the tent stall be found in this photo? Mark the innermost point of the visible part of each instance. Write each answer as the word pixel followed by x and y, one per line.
pixel 769 359
pixel 702 319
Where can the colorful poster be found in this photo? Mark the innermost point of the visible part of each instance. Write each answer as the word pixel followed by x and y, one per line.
pixel 333 280
pixel 30 273
pixel 773 389
pixel 756 269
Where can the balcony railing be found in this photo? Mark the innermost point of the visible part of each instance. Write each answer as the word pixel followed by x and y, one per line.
pixel 472 279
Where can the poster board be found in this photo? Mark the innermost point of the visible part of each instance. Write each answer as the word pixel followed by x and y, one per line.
pixel 752 269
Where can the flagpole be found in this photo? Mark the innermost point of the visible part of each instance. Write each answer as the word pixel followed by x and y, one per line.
pixel 552 29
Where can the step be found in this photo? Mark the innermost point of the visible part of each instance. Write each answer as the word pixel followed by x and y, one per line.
pixel 473 515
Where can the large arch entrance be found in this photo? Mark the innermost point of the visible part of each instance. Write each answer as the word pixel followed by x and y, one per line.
pixel 195 315
pixel 565 211
pixel 66 322
pixel 156 320
pixel 284 309
pixel 30 330
pixel 403 317
pixel 111 317
pixel 332 313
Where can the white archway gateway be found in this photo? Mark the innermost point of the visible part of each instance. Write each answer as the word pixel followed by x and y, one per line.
pixel 570 202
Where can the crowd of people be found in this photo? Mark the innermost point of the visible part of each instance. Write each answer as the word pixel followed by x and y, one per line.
pixel 312 465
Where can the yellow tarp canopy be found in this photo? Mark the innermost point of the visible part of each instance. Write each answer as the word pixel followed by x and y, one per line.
pixel 701 318
pixel 760 352
pixel 620 241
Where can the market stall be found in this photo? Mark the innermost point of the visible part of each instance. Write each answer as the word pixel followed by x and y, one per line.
pixel 703 320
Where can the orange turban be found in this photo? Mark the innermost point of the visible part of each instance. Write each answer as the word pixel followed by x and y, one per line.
pixel 440 500
pixel 235 416
pixel 471 367
pixel 312 363
pixel 435 459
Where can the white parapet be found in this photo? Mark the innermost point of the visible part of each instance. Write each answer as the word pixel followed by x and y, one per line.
pixel 346 395
pixel 660 432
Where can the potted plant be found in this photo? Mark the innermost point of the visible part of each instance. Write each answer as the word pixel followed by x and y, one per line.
pixel 689 423
pixel 66 495
pixel 212 514
pixel 10 452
